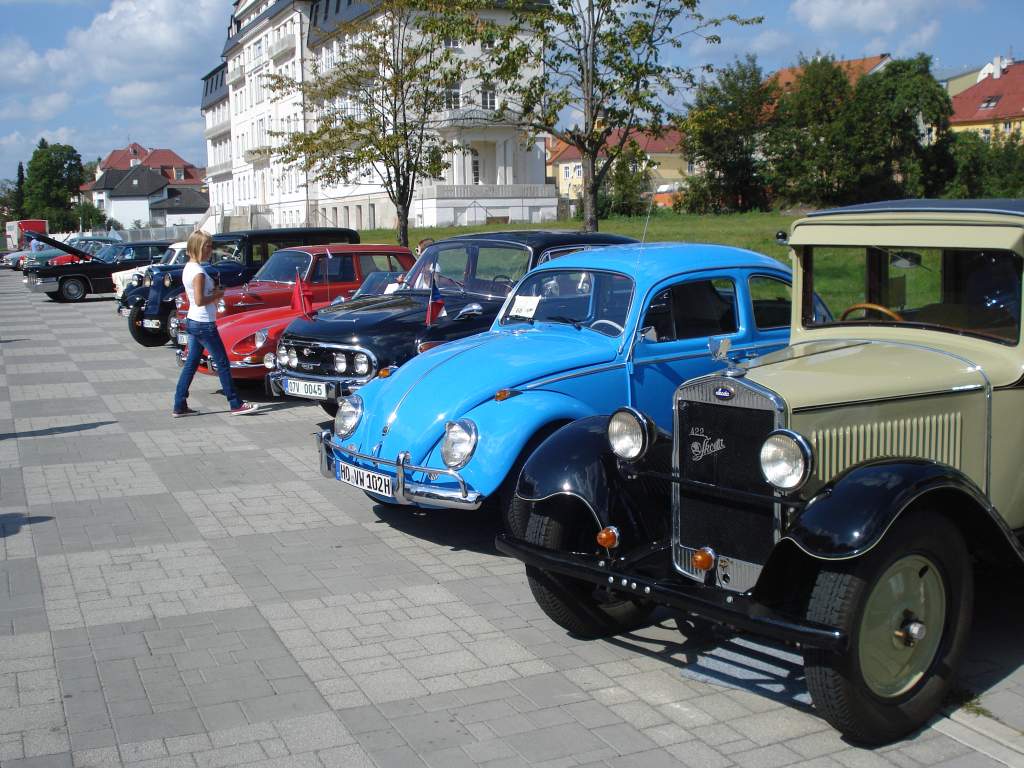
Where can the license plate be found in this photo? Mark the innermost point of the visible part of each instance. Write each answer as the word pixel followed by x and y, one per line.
pixel 124 311
pixel 182 339
pixel 363 479
pixel 313 389
pixel 152 324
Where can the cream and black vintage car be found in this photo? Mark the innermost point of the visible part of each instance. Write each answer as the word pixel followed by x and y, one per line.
pixel 833 495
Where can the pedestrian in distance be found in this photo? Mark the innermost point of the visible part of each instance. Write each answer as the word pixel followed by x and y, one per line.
pixel 36 245
pixel 201 325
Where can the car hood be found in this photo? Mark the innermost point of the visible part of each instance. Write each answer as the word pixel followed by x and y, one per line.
pixel 449 381
pixel 276 319
pixel 353 319
pixel 832 372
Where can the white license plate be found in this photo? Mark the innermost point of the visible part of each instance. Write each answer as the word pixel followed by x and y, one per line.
pixel 124 311
pixel 182 339
pixel 363 479
pixel 156 324
pixel 314 389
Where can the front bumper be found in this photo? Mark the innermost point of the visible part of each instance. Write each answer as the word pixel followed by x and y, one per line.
pixel 741 611
pixel 335 388
pixel 406 492
pixel 42 284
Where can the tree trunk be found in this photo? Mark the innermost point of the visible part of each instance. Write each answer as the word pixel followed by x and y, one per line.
pixel 402 212
pixel 589 195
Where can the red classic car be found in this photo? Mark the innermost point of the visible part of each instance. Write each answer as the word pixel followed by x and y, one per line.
pixel 328 271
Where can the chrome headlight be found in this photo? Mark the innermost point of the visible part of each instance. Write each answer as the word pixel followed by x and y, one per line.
pixel 340 362
pixel 167 281
pixel 786 460
pixel 459 442
pixel 282 356
pixel 630 434
pixel 293 358
pixel 136 280
pixel 148 281
pixel 350 410
pixel 361 364
pixel 261 337
pixel 268 361
pixel 222 306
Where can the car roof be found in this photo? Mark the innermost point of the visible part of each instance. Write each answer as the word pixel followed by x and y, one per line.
pixel 1012 207
pixel 287 231
pixel 540 239
pixel 164 243
pixel 349 248
pixel 651 262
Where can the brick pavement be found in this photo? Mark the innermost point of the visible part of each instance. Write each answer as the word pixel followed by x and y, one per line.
pixel 192 593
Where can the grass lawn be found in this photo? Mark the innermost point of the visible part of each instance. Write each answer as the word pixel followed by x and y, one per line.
pixel 755 231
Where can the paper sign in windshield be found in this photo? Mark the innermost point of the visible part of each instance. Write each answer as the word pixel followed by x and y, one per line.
pixel 524 306
pixel 391 288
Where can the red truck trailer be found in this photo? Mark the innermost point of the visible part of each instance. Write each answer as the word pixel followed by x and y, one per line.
pixel 16 230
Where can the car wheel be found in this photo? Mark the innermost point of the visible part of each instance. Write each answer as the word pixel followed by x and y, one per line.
pixel 515 512
pixel 906 607
pixel 330 407
pixel 73 289
pixel 144 336
pixel 53 295
pixel 577 606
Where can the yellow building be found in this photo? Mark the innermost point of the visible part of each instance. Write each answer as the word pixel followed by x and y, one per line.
pixel 994 105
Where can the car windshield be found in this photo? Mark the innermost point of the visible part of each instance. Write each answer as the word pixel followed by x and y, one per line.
pixel 470 266
pixel 283 265
pixel 168 257
pixel 226 251
pixel 584 299
pixel 376 283
pixel 969 291
pixel 108 253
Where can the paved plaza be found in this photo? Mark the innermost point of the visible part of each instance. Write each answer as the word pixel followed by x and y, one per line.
pixel 192 593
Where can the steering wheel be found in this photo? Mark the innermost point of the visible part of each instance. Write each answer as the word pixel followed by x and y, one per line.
pixel 502 278
pixel 618 328
pixel 891 314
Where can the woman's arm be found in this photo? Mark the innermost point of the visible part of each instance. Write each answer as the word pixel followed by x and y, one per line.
pixel 198 283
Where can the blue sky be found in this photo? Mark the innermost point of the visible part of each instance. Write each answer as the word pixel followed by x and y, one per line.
pixel 94 73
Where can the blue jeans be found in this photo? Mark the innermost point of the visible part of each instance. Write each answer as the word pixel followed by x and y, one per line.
pixel 204 335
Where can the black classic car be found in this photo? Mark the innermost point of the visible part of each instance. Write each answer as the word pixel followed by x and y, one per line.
pixel 237 256
pixel 336 350
pixel 84 272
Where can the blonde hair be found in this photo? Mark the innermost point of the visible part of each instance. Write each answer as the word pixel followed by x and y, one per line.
pixel 196 243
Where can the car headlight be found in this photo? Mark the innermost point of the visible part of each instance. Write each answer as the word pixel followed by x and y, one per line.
pixel 630 434
pixel 350 410
pixel 361 364
pixel 282 356
pixel 148 281
pixel 136 280
pixel 167 281
pixel 179 302
pixel 261 337
pixel 293 358
pixel 459 442
pixel 222 306
pixel 340 362
pixel 786 460
pixel 268 361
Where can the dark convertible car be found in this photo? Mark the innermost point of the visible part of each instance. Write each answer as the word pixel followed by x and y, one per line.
pixel 338 349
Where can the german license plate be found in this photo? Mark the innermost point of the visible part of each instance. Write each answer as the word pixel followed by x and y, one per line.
pixel 364 479
pixel 313 389
pixel 182 339
pixel 124 311
pixel 154 324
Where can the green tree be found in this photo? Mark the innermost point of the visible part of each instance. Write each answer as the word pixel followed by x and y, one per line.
pixel 54 176
pixel 630 182
pixel 723 134
pixel 584 71
pixel 88 216
pixel 18 199
pixel 982 168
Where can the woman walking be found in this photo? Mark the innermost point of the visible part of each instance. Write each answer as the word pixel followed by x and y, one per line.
pixel 202 329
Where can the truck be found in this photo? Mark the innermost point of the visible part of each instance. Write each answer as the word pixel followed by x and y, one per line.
pixel 16 240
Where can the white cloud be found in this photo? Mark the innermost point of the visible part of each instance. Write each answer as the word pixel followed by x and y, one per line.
pixel 919 40
pixel 48 106
pixel 11 139
pixel 19 62
pixel 868 16
pixel 769 41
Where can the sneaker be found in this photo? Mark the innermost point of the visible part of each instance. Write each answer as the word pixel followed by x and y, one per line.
pixel 187 412
pixel 245 408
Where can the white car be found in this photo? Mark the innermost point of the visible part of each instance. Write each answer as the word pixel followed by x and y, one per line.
pixel 175 254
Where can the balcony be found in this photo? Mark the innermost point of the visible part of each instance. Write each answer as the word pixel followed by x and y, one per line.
pixel 488 192
pixel 282 47
pixel 218 129
pixel 258 155
pixel 219 169
pixel 236 75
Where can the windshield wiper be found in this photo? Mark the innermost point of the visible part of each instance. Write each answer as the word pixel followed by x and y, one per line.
pixel 563 319
pixel 524 318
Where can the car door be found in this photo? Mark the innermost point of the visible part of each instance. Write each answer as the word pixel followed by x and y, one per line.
pixel 333 275
pixel 672 339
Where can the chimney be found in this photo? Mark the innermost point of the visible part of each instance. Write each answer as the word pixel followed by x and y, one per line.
pixel 997 67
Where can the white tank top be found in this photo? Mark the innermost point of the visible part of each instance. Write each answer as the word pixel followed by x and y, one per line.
pixel 202 314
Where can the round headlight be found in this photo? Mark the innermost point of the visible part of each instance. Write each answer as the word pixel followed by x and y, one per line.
pixel 261 337
pixel 786 460
pixel 361 364
pixel 350 410
pixel 340 362
pixel 136 280
pixel 629 434
pixel 459 442
pixel 167 281
pixel 268 360
pixel 282 356
pixel 148 281
pixel 222 306
pixel 293 359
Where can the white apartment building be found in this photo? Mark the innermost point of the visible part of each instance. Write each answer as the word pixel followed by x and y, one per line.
pixel 491 177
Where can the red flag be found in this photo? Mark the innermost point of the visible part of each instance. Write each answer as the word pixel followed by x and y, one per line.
pixel 300 296
pixel 435 307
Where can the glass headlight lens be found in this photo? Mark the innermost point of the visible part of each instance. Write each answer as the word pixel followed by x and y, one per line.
pixel 282 356
pixel 459 442
pixel 350 410
pixel 786 460
pixel 148 281
pixel 340 362
pixel 167 281
pixel 293 359
pixel 628 434
pixel 261 337
pixel 222 306
pixel 361 364
pixel 136 280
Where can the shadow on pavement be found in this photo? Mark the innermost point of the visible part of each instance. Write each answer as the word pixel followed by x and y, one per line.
pixel 51 431
pixel 11 523
pixel 456 529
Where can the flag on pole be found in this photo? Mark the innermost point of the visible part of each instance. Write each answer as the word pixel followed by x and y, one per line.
pixel 299 296
pixel 435 308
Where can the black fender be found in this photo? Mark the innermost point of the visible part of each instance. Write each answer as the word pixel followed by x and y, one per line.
pixel 852 513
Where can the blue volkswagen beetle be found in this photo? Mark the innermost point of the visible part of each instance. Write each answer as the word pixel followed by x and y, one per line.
pixel 578 336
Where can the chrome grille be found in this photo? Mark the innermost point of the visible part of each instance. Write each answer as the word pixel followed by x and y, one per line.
pixel 316 358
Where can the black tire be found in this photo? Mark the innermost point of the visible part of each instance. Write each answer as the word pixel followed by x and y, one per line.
pixel 330 407
pixel 73 289
pixel 145 336
pixel 837 682
pixel 515 513
pixel 54 296
pixel 577 606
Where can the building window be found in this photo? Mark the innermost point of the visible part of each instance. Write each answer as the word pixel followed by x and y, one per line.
pixel 990 102
pixel 371 218
pixel 487 44
pixel 179 174
pixel 986 134
pixel 565 171
pixel 488 98
pixel 452 43
pixel 334 211
pixel 691 168
pixel 453 96
pixel 1007 126
pixel 578 171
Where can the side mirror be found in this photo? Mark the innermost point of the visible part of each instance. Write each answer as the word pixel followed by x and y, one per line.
pixel 782 237
pixel 470 310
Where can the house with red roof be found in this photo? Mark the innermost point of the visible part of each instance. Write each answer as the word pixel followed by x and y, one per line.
pixel 854 69
pixel 995 104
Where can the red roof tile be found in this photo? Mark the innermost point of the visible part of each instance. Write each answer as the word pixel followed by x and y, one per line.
pixel 163 160
pixel 1007 91
pixel 855 69
pixel 666 144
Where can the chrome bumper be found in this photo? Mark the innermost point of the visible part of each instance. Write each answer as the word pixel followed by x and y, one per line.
pixel 181 354
pixel 405 492
pixel 42 284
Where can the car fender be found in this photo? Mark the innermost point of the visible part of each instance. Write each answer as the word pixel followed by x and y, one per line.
pixel 851 514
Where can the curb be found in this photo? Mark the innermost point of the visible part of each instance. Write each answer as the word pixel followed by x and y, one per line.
pixel 985 735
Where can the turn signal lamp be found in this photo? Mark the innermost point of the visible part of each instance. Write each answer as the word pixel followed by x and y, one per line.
pixel 703 559
pixel 608 537
pixel 385 372
pixel 504 394
pixel 425 345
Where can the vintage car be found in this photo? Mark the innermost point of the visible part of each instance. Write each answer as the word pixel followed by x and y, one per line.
pixel 87 272
pixel 337 350
pixel 831 495
pixel 237 256
pixel 327 271
pixel 56 253
pixel 173 255
pixel 578 336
